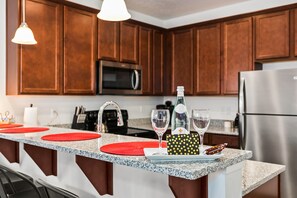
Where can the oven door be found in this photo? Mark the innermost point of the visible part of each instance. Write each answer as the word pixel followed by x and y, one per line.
pixel 119 78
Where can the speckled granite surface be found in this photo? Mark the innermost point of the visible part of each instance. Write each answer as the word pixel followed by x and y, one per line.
pixel 257 173
pixel 90 148
pixel 216 126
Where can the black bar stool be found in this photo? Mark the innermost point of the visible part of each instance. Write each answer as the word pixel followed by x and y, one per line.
pixel 55 192
pixel 17 185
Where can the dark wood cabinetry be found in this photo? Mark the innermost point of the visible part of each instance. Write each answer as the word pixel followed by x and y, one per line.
pixel 207 60
pixel 272 35
pixel 145 59
pixel 118 41
pixel 80 51
pixel 40 65
pixel 108 40
pixel 158 62
pixel 237 52
pixel 63 61
pixel 128 42
pixel 182 60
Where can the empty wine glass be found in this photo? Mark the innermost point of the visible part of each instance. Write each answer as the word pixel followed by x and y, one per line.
pixel 201 120
pixel 160 120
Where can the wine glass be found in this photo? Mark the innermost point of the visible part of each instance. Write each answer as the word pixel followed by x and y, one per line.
pixel 160 120
pixel 201 120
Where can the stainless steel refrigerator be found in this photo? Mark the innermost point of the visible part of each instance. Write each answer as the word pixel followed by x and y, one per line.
pixel 268 120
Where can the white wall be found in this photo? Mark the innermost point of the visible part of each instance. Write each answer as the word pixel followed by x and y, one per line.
pixel 280 65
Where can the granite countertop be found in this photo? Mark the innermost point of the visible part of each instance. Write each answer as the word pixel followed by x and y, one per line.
pixel 257 173
pixel 90 148
pixel 215 128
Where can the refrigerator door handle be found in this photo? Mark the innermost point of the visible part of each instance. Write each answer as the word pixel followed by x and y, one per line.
pixel 242 96
pixel 242 131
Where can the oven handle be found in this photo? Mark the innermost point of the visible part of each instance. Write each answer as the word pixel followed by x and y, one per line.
pixel 136 74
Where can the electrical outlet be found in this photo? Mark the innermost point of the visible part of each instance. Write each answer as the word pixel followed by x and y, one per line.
pixel 53 113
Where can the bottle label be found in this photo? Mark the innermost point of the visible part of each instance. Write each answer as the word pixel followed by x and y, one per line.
pixel 180 108
pixel 179 130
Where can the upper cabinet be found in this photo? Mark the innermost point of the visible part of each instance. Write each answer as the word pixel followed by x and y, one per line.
pixel 272 35
pixel 108 40
pixel 145 58
pixel 118 41
pixel 80 51
pixel 207 60
pixel 128 42
pixel 40 65
pixel 237 52
pixel 158 62
pixel 182 60
pixel 63 60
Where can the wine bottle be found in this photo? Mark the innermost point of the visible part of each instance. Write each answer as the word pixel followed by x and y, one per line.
pixel 180 122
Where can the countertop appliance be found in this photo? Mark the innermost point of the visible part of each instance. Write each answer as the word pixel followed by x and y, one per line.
pixel 118 78
pixel 110 120
pixel 268 120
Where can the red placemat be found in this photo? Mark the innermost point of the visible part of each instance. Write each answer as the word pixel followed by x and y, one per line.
pixel 129 148
pixel 4 126
pixel 71 136
pixel 24 130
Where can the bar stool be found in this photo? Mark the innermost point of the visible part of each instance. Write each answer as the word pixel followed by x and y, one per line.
pixel 17 185
pixel 55 192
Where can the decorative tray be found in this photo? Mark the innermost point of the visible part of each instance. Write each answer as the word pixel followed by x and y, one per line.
pixel 154 155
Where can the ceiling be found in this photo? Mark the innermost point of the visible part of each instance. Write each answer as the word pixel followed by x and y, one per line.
pixel 168 9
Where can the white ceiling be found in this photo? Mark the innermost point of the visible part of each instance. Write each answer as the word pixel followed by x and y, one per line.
pixel 168 9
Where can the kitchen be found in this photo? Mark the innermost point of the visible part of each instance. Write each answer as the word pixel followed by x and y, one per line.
pixel 221 107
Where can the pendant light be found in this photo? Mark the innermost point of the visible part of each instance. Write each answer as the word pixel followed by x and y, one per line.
pixel 24 34
pixel 114 10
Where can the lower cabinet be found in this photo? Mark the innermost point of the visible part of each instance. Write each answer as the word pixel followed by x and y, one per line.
pixel 213 139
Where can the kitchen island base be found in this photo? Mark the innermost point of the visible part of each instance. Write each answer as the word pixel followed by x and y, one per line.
pixel 129 181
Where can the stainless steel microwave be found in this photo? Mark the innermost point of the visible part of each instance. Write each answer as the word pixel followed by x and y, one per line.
pixel 118 78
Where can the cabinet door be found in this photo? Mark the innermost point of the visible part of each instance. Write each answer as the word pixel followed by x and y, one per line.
pixel 158 59
pixel 237 50
pixel 182 60
pixel 79 51
pixel 128 42
pixel 208 64
pixel 145 59
pixel 108 40
pixel 295 32
pixel 272 35
pixel 40 65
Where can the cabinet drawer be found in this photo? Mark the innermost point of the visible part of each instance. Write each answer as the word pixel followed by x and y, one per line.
pixel 233 141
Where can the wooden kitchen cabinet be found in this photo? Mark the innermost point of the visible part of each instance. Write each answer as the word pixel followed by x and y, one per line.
pixel 182 60
pixel 295 32
pixel 272 35
pixel 158 62
pixel 145 59
pixel 108 40
pixel 40 65
pixel 207 60
pixel 237 52
pixel 79 51
pixel 118 41
pixel 128 42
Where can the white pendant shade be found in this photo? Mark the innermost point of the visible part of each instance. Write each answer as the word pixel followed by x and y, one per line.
pixel 114 10
pixel 24 35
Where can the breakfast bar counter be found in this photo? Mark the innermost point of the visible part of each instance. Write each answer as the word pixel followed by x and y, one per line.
pixel 131 174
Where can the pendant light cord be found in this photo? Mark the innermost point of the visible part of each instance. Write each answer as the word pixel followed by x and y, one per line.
pixel 23 10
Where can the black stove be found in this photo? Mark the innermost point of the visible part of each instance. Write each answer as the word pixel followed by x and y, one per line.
pixel 109 118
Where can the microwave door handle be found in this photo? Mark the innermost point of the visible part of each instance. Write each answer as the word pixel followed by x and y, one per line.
pixel 135 86
pixel 137 79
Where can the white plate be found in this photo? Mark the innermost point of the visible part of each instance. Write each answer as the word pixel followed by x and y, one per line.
pixel 152 154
